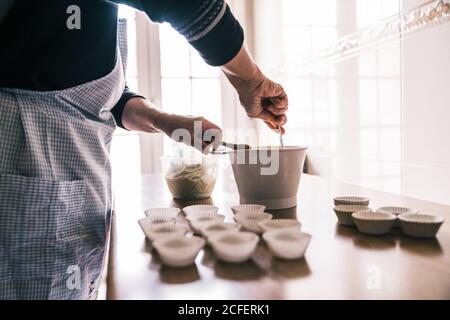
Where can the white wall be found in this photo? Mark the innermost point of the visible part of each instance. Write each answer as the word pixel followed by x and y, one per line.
pixel 379 119
pixel 426 114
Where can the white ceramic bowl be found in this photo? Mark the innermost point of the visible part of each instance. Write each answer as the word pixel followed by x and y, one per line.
pixel 250 220
pixel 149 223
pixel 344 213
pixel 248 208
pixel 279 224
pixel 373 222
pixel 269 176
pixel 397 211
pixel 287 243
pixel 166 212
pixel 179 251
pixel 355 200
pixel 199 221
pixel 214 228
pixel 421 225
pixel 199 208
pixel 234 247
pixel 165 231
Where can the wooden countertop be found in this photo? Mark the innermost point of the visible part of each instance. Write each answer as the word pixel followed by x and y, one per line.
pixel 340 263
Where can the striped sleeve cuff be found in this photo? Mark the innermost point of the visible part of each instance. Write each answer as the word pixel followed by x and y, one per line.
pixel 211 29
pixel 220 41
pixel 117 110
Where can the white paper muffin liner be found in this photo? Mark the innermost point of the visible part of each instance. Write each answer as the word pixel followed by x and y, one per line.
pixel 287 243
pixel 179 251
pixel 374 223
pixel 165 231
pixel 199 208
pixel 351 200
pixel 234 247
pixel 344 213
pixel 149 223
pixel 421 225
pixel 198 224
pixel 397 211
pixel 214 228
pixel 250 220
pixel 169 212
pixel 276 224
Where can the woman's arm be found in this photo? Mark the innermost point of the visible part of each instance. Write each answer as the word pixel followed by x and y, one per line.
pixel 260 97
pixel 140 115
pixel 210 27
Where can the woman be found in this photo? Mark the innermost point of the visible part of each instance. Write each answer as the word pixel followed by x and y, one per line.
pixel 62 93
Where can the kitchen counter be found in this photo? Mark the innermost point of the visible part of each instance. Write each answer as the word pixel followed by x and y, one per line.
pixel 340 263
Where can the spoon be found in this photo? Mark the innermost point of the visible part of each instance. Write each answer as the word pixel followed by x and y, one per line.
pixel 279 126
pixel 281 137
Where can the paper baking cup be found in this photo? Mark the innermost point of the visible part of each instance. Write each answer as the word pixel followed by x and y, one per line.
pixel 352 200
pixel 374 223
pixel 198 225
pixel 234 247
pixel 248 208
pixel 201 219
pixel 214 228
pixel 421 225
pixel 148 223
pixel 166 212
pixel 199 208
pixel 179 251
pixel 250 220
pixel 287 243
pixel 279 224
pixel 397 211
pixel 165 231
pixel 344 213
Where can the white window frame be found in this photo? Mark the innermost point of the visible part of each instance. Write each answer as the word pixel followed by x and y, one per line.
pixel 149 85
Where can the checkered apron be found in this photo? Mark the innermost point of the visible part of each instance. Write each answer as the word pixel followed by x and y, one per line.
pixel 55 190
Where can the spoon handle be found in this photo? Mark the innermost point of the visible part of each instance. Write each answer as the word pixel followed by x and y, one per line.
pixel 279 127
pixel 281 137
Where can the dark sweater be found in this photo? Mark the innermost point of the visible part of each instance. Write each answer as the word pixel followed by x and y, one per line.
pixel 39 52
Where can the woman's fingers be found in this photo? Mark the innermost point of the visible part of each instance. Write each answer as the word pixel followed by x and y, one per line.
pixel 277 111
pixel 275 128
pixel 273 119
pixel 276 102
pixel 211 135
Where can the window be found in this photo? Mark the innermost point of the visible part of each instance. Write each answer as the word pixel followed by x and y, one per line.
pixel 310 26
pixel 380 104
pixel 171 74
pixel 189 86
pixel 322 105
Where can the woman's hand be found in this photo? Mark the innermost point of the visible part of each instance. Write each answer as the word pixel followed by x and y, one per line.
pixel 261 97
pixel 194 131
pixel 264 99
pixel 140 115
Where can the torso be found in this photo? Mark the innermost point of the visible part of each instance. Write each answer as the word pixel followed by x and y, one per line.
pixel 40 52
